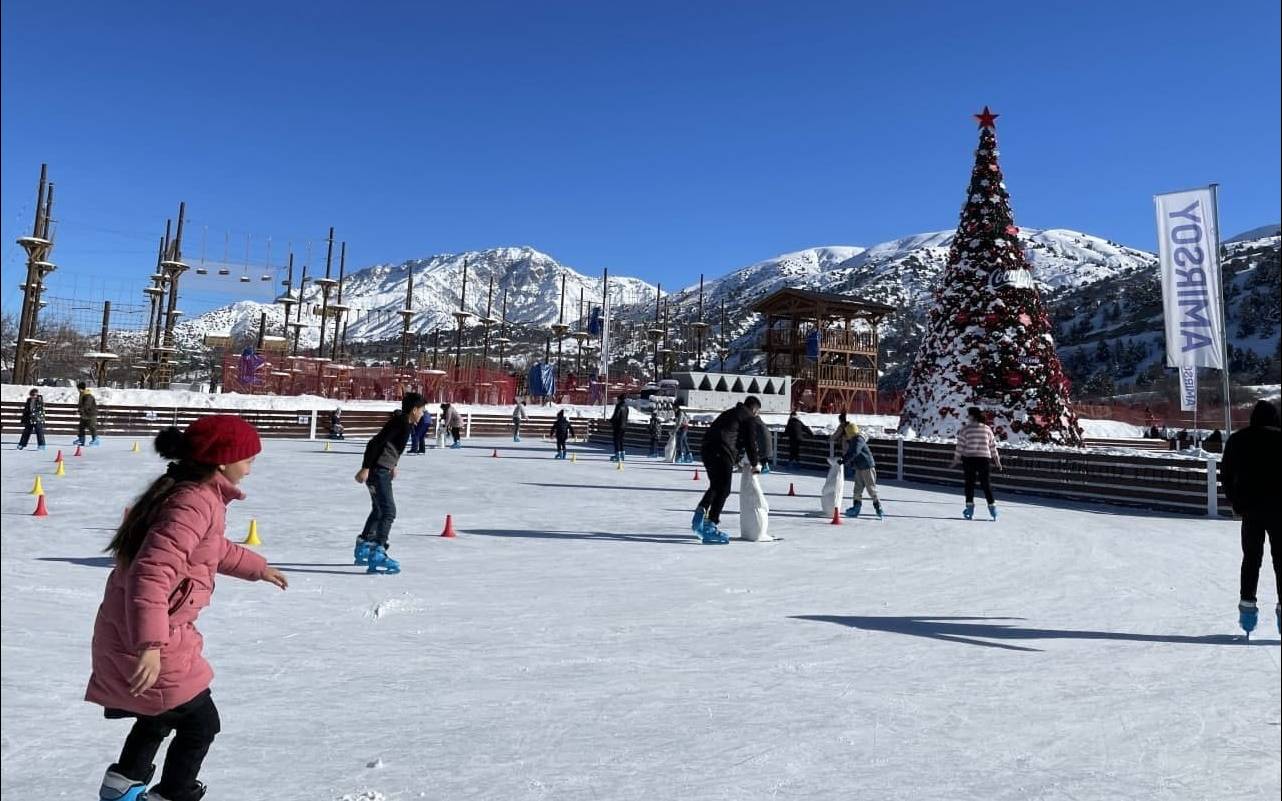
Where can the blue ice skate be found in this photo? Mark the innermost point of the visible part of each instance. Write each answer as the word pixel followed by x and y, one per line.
pixel 1248 615
pixel 765 469
pixel 711 535
pixel 876 507
pixel 696 525
pixel 969 511
pixel 456 446
pixel 854 510
pixel 116 787
pixel 40 447
pixel 361 554
pixel 992 510
pixel 95 441
pixel 380 562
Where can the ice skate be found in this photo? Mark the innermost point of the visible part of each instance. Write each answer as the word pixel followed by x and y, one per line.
pixel 1248 615
pixel 969 511
pixel 696 525
pixel 380 562
pixel 117 787
pixel 22 447
pixel 40 447
pixel 361 554
pixel 615 457
pixel 992 510
pixel 854 510
pixel 78 441
pixel 456 446
pixel 196 793
pixel 711 535
pixel 876 507
pixel 95 441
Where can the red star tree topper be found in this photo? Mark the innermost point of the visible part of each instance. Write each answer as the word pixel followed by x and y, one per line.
pixel 988 339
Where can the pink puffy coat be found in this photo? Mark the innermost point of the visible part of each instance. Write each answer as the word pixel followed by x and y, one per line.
pixel 155 600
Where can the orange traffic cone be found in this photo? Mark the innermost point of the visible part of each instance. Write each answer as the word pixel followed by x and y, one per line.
pixel 77 453
pixel 792 491
pixel 41 509
pixel 495 454
pixel 696 474
pixel 836 516
pixel 449 527
pixel 58 458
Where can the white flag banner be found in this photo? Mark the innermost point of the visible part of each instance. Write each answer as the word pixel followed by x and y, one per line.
pixel 1188 389
pixel 1188 249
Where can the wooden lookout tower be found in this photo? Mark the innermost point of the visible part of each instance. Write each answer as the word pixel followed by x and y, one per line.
pixel 827 343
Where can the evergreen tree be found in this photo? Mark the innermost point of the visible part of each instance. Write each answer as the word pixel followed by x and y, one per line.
pixel 988 340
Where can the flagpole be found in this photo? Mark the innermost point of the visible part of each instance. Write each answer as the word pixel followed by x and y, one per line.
pixel 1224 312
pixel 605 340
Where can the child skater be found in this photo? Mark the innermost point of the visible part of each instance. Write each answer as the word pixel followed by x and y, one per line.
pixel 147 662
pixel 561 430
pixel 378 470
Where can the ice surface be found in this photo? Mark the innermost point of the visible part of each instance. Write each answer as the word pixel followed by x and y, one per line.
pixel 576 642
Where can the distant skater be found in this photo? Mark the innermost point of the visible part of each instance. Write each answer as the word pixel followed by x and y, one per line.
pixel 418 434
pixel 561 431
pixel 794 431
pixel 519 416
pixel 681 426
pixel 453 423
pixel 87 406
pixel 654 428
pixel 618 426
pixel 33 420
pixel 976 450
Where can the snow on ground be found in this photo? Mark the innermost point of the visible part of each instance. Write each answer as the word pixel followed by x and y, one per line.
pixel 576 642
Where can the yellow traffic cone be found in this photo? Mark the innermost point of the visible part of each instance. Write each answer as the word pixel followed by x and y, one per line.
pixel 62 469
pixel 135 448
pixel 252 539
pixel 37 488
pixel 326 446
pixel 618 465
pixel 572 460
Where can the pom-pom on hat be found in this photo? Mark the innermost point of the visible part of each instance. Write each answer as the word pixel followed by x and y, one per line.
pixel 221 439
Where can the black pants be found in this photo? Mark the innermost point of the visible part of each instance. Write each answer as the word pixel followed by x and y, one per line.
pixel 195 723
pixel 382 511
pixel 26 435
pixel 794 451
pixel 89 425
pixel 418 442
pixel 560 444
pixel 618 440
pixel 720 470
pixel 455 432
pixel 1254 529
pixel 654 444
pixel 976 467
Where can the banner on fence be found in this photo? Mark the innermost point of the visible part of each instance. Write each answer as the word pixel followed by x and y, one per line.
pixel 1188 389
pixel 1188 247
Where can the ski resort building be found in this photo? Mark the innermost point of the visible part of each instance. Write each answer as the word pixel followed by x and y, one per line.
pixel 827 344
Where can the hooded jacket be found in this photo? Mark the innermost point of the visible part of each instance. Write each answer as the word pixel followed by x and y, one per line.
pixel 155 599
pixel 733 431
pixel 1249 467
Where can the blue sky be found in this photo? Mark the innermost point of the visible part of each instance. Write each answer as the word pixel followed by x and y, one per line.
pixel 658 139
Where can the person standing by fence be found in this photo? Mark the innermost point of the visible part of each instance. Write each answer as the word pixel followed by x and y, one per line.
pixel 88 408
pixel 682 430
pixel 976 450
pixel 33 419
pixel 795 430
pixel 618 425
pixel 1249 473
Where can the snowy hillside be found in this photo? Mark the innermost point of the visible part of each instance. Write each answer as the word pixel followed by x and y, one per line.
pixel 1096 289
pixel 531 279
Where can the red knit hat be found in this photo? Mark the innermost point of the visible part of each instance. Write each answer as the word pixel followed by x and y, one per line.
pixel 222 439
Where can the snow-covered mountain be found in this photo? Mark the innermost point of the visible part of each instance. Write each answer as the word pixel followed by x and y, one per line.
pixel 1095 289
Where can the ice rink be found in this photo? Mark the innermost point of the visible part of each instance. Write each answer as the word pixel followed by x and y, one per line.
pixel 576 641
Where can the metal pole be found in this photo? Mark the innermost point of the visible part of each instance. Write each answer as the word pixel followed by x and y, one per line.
pixel 605 340
pixel 325 287
pixel 337 351
pixel 101 377
pixel 1224 314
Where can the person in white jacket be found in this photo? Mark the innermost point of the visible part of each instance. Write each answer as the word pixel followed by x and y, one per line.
pixel 976 450
pixel 519 416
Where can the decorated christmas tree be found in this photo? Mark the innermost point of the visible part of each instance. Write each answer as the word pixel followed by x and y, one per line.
pixel 988 339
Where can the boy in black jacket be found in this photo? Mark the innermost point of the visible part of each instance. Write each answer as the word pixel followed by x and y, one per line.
pixel 733 431
pixel 561 431
pixel 378 469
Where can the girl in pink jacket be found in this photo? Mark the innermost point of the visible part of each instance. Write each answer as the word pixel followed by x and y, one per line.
pixel 147 661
